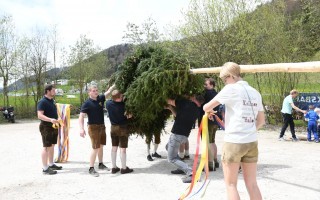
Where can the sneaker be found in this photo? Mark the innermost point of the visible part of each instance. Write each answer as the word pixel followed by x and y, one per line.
pixel 216 165
pixel 186 157
pixel 177 171
pixel 281 139
pixel 149 158
pixel 93 172
pixel 125 171
pixel 55 167
pixel 295 140
pixel 49 171
pixel 309 140
pixel 156 155
pixel 103 167
pixel 316 141
pixel 115 170
pixel 187 179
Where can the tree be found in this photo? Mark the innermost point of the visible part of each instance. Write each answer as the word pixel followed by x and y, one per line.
pixel 85 67
pixel 54 46
pixel 148 78
pixel 246 32
pixel 23 72
pixel 145 34
pixel 8 53
pixel 38 62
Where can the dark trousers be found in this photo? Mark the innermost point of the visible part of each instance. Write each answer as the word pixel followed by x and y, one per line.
pixel 287 120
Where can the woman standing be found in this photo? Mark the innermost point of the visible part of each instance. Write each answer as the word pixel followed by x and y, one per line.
pixel 244 115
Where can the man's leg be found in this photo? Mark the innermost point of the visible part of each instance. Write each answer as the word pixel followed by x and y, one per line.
pixel 291 122
pixel 44 157
pixel 173 147
pixel 123 155
pixel 186 149
pixel 285 124
pixel 157 141
pixel 100 154
pixel 181 151
pixel 50 154
pixel 114 156
pixel 148 142
pixel 93 156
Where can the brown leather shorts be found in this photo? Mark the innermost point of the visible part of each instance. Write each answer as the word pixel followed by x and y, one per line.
pixel 48 133
pixel 212 129
pixel 236 153
pixel 97 133
pixel 119 135
pixel 156 138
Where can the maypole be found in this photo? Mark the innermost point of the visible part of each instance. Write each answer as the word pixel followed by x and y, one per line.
pixel 301 67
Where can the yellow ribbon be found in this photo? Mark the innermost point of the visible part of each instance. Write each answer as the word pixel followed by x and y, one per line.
pixel 196 172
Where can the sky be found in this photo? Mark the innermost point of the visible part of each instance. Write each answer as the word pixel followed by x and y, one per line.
pixel 103 21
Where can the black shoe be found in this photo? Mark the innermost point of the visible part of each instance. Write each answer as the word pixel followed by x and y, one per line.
pixel 126 170
pixel 93 172
pixel 115 170
pixel 55 167
pixel 156 155
pixel 187 179
pixel 177 171
pixel 186 157
pixel 211 168
pixel 103 167
pixel 149 158
pixel 49 171
pixel 179 158
pixel 216 165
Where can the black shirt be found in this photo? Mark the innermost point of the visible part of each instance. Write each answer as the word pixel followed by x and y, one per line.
pixel 49 107
pixel 208 96
pixel 116 112
pixel 94 110
pixel 186 114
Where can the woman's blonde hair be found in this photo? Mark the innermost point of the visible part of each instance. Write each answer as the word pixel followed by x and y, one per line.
pixel 230 69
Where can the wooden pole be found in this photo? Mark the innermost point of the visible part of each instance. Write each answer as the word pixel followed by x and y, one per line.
pixel 276 67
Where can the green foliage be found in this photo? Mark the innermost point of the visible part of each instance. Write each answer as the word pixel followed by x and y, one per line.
pixel 148 78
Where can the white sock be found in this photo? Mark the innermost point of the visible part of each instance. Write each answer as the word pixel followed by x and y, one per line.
pixel 45 167
pixel 155 147
pixel 181 154
pixel 186 152
pixel 123 160
pixel 148 149
pixel 50 164
pixel 114 159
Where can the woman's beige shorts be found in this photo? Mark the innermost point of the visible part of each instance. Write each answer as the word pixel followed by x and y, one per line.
pixel 235 153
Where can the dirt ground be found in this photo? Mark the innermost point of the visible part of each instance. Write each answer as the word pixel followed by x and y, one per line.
pixel 286 170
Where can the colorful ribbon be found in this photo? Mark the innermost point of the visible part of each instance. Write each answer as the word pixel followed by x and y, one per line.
pixel 63 132
pixel 196 172
pixel 219 121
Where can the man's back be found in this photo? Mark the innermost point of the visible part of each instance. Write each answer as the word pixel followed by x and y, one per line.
pixel 187 113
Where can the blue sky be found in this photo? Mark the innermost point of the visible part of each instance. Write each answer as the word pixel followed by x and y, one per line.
pixel 104 21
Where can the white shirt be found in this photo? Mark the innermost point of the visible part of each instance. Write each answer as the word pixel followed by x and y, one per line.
pixel 242 103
